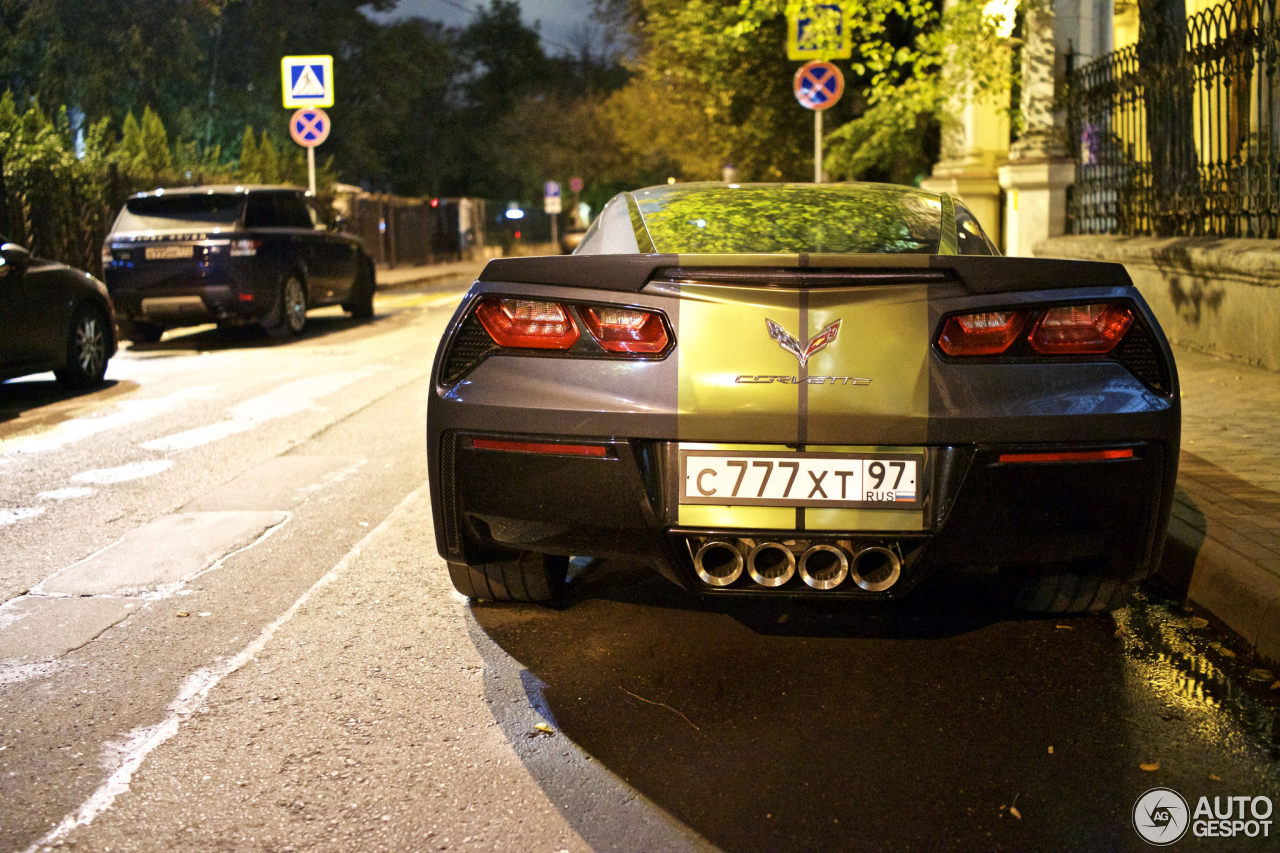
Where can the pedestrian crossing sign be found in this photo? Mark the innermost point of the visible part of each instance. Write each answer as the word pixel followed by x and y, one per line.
pixel 308 81
pixel 819 30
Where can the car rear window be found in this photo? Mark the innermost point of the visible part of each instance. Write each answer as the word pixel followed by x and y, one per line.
pixel 784 219
pixel 212 210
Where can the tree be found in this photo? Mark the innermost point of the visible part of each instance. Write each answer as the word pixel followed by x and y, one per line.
pixel 729 61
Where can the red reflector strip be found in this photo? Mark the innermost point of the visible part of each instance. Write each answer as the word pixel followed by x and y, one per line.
pixel 1068 456
pixel 540 447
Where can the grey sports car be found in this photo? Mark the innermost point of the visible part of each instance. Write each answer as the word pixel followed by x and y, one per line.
pixel 822 390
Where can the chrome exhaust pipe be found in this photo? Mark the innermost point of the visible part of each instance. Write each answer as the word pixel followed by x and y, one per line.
pixel 718 563
pixel 824 567
pixel 771 564
pixel 876 568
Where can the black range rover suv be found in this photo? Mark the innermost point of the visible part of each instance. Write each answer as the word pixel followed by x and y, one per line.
pixel 232 255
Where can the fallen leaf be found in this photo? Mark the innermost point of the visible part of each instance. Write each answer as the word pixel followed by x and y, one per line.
pixel 1065 627
pixel 1199 622
pixel 1276 686
pixel 1121 631
pixel 1051 750
pixel 1214 777
pixel 1013 810
pixel 1226 652
pixel 543 728
pixel 182 614
pixel 1150 768
pixel 1260 674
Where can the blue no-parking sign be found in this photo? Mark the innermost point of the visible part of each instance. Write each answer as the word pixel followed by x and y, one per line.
pixel 818 85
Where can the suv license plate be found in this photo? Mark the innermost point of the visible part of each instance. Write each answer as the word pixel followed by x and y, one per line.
pixel 169 253
pixel 747 478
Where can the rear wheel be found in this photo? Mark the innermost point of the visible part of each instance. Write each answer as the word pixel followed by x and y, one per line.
pixel 289 315
pixel 360 302
pixel 87 344
pixel 139 332
pixel 530 577
pixel 1064 589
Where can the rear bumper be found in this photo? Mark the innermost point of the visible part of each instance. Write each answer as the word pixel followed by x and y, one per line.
pixel 977 510
pixel 182 293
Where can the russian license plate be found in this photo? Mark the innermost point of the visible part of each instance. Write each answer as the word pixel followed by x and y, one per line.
pixel 169 253
pixel 761 478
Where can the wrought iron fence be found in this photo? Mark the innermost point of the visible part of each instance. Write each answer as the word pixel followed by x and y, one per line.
pixel 1180 136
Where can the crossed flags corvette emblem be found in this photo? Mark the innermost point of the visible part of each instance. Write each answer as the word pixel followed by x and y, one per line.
pixel 816 344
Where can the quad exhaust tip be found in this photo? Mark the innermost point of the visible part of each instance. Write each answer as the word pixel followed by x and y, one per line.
pixel 719 562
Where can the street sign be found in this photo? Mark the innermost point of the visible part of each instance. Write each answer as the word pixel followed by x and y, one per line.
pixel 551 197
pixel 309 127
pixel 575 184
pixel 819 30
pixel 818 85
pixel 307 81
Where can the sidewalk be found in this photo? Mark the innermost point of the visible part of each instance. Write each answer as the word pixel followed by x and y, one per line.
pixel 1223 550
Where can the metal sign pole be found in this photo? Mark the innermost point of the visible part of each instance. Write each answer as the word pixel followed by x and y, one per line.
pixel 311 170
pixel 817 146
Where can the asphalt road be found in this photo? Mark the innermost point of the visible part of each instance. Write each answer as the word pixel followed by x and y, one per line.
pixel 226 628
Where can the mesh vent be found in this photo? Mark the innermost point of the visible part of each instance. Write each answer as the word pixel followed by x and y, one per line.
pixel 1138 353
pixel 448 481
pixel 471 345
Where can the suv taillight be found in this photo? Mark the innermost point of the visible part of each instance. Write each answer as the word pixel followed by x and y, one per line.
pixel 244 248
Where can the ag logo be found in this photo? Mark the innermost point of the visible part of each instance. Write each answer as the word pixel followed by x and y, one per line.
pixel 1161 816
pixel 816 344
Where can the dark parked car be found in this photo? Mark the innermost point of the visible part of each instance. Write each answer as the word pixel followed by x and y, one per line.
pixel 819 390
pixel 52 317
pixel 231 255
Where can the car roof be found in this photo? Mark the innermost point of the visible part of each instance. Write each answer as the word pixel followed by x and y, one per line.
pixel 772 218
pixel 215 189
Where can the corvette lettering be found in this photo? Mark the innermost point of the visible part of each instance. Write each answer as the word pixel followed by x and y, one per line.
pixel 758 379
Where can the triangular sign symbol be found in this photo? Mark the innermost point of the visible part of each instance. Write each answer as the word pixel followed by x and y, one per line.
pixel 308 85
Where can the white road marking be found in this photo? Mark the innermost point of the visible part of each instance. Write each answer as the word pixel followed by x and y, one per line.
pixel 126 413
pixel 281 402
pixel 67 494
pixel 124 473
pixel 141 742
pixel 13 516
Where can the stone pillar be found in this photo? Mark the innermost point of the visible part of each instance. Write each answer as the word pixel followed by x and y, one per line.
pixel 1039 171
pixel 972 149
pixel 974 144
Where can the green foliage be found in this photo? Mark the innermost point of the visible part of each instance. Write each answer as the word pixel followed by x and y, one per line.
pixel 728 60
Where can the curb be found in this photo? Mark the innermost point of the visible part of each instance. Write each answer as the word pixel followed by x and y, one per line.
pixel 1242 595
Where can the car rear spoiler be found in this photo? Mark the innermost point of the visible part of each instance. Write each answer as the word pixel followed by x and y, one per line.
pixel 978 273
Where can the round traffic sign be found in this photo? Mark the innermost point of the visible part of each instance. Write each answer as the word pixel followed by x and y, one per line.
pixel 309 127
pixel 818 85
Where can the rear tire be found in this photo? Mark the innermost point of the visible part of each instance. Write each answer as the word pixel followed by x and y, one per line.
pixel 288 316
pixel 530 577
pixel 87 343
pixel 1060 590
pixel 360 304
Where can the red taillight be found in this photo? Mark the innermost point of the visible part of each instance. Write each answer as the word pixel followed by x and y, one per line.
pixel 626 329
pixel 1068 456
pixel 527 323
pixel 244 248
pixel 541 447
pixel 1081 329
pixel 987 333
